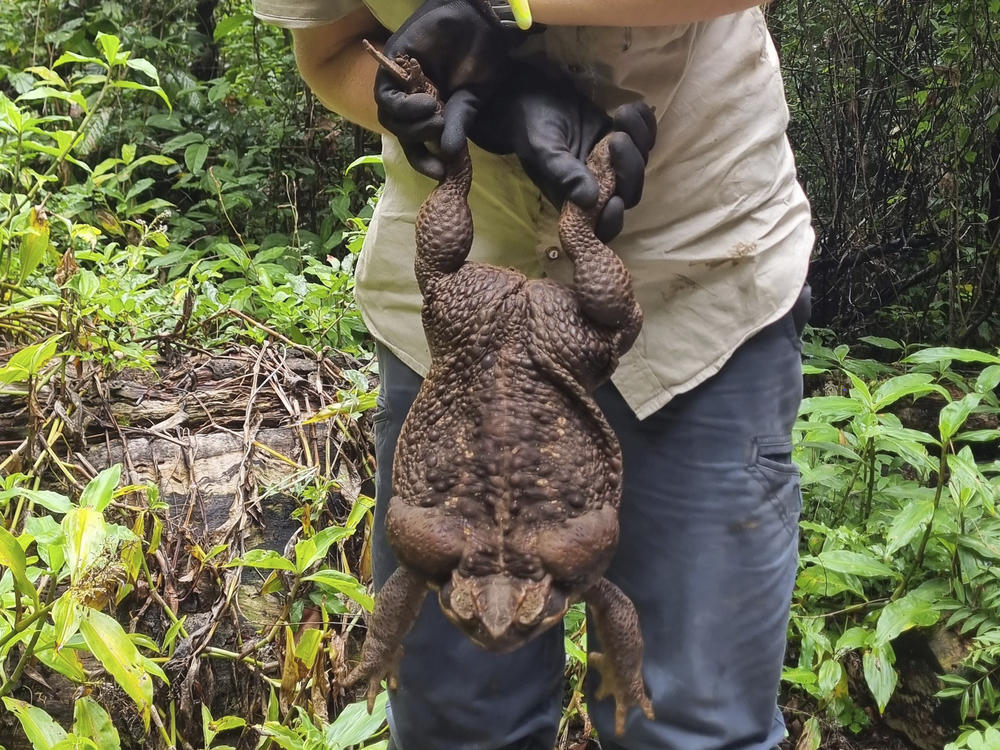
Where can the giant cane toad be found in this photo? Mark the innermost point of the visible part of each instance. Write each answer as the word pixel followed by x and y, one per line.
pixel 507 477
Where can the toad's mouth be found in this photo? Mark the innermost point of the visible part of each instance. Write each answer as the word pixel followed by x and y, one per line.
pixel 499 611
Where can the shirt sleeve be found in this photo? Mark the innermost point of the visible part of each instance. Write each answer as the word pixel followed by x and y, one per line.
pixel 302 14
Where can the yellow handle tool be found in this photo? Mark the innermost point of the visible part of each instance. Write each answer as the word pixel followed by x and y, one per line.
pixel 522 14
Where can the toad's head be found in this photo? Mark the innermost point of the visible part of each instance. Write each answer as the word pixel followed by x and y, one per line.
pixel 501 611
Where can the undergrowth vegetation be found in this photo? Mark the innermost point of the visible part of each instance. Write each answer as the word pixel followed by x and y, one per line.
pixel 169 191
pixel 899 527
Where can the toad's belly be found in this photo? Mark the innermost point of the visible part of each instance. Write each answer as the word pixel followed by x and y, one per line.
pixel 501 444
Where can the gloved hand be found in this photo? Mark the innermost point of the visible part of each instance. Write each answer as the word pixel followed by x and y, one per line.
pixel 462 46
pixel 541 117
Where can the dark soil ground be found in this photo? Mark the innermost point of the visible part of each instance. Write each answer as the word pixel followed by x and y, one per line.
pixel 877 737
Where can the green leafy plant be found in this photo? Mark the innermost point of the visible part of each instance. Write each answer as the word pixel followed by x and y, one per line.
pixel 93 563
pixel 899 521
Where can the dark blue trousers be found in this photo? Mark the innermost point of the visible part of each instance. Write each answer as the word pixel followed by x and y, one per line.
pixel 708 555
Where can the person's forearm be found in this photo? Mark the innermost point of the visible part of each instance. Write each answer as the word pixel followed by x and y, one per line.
pixel 340 72
pixel 633 12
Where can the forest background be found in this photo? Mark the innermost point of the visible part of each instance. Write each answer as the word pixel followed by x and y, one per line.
pixel 186 388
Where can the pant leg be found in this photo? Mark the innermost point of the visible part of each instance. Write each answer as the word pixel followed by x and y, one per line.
pixel 708 552
pixel 452 694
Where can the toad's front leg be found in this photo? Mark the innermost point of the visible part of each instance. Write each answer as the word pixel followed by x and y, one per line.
pixel 620 664
pixel 397 604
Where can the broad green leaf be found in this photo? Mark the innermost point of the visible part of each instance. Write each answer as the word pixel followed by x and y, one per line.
pixel 144 66
pixel 267 559
pixel 171 635
pixel 47 92
pixel 912 452
pixel 880 675
pixel 815 580
pixel 307 646
pixel 51 501
pixel 227 723
pixel 853 638
pixel 855 563
pixel 881 343
pixel 574 652
pixel 909 612
pixel 831 408
pixel 109 642
pixel 978 436
pixel 194 156
pixel 953 415
pixel 100 491
pixel 834 449
pixel 312 550
pixel 65 662
pixel 65 618
pixel 13 558
pixel 811 737
pixel 73 742
pixel 830 673
pixel 912 384
pixel 282 736
pixel 948 353
pixel 34 244
pixel 798 676
pixel 47 533
pixel 143 87
pixel 814 370
pixel 231 22
pixel 988 379
pixel 345 584
pixel 68 57
pixel 361 506
pixel 910 520
pixel 42 730
pixel 966 480
pixel 374 160
pixel 207 732
pixel 889 425
pixel 860 390
pixel 29 361
pixel 111 47
pixel 90 720
pixel 354 725
pixel 86 533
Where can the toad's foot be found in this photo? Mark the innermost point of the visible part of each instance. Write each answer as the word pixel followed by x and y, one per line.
pixel 396 606
pixel 621 663
pixel 373 671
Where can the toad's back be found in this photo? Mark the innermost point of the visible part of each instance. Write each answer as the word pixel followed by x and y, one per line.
pixel 498 436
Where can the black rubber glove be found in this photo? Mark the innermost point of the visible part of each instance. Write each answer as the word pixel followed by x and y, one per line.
pixel 462 46
pixel 541 117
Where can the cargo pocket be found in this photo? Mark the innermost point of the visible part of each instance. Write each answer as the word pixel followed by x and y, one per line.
pixel 772 466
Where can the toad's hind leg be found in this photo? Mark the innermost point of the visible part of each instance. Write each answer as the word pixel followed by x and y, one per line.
pixel 444 224
pixel 601 282
pixel 620 664
pixel 396 607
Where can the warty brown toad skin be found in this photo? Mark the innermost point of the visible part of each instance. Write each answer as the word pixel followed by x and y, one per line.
pixel 507 477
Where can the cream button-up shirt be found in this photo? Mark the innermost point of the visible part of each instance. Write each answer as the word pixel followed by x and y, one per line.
pixel 720 244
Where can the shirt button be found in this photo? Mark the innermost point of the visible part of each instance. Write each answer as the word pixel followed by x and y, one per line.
pixel 552 253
